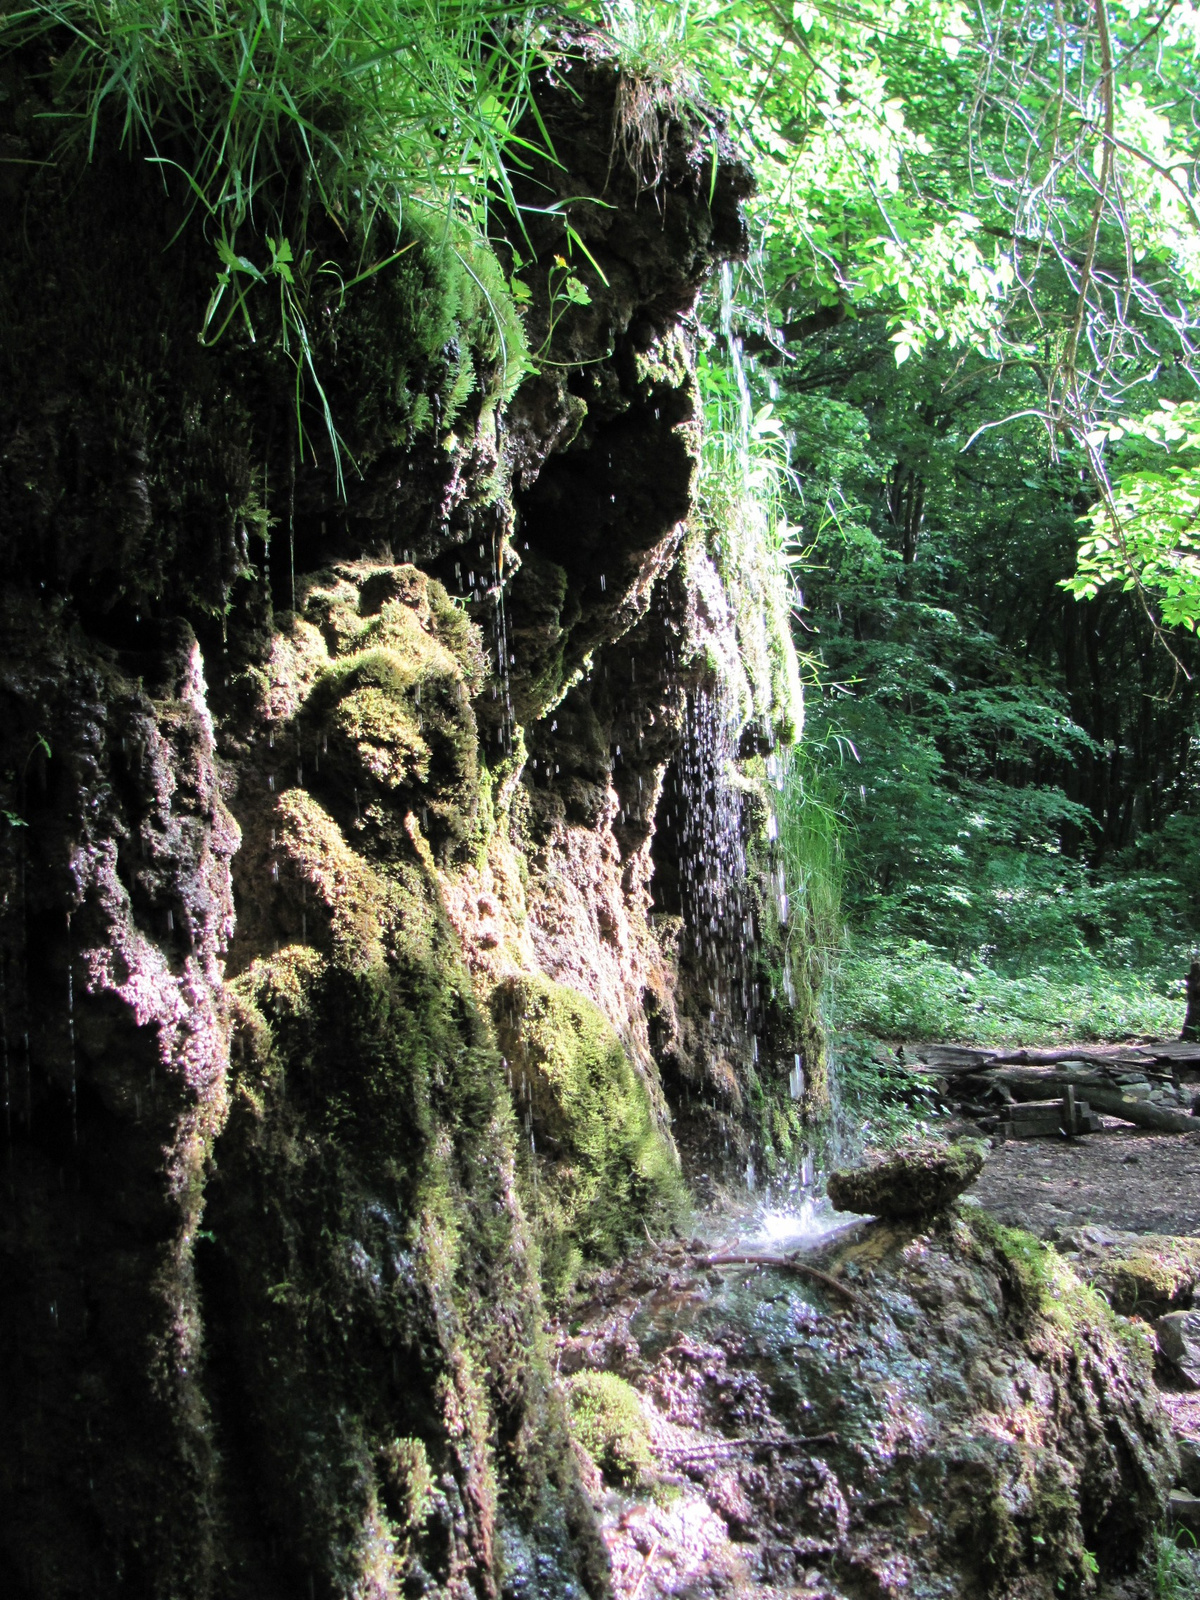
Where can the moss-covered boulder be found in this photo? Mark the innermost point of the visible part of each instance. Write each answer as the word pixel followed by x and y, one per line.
pixel 1139 1274
pixel 608 1420
pixel 602 1169
pixel 914 1182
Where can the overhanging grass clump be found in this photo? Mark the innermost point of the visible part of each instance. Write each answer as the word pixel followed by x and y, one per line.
pixel 384 103
pixel 287 123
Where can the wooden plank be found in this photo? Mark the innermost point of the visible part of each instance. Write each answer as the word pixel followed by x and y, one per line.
pixel 1180 1051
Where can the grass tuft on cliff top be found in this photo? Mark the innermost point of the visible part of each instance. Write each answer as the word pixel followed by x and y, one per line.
pixel 393 120
pixel 382 103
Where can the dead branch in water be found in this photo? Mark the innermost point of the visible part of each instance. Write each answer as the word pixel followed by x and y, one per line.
pixel 788 1264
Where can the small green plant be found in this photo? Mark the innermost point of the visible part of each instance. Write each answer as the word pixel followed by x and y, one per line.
pixel 1174 1572
pixel 565 290
pixel 609 1422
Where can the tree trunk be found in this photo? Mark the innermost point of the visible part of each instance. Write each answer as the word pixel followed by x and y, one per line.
pixel 1191 1020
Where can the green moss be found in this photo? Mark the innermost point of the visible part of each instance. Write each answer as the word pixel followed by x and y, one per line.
pixel 369 1117
pixel 1015 1510
pixel 1155 1275
pixel 390 704
pixel 424 335
pixel 543 613
pixel 601 1169
pixel 387 1306
pixel 409 1480
pixel 1041 1284
pixel 608 1420
pixel 666 364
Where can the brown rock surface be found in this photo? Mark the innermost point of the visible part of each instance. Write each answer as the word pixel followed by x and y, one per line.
pixel 914 1181
pixel 278 818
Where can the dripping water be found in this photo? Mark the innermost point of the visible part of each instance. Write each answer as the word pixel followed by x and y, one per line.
pixel 720 936
pixel 71 1036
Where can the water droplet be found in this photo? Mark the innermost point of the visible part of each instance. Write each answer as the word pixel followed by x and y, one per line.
pixel 796 1080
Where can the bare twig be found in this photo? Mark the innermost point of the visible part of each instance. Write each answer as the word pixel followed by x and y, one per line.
pixel 650 1555
pixel 787 1264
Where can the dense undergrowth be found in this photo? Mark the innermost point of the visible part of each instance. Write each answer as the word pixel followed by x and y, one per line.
pixel 913 991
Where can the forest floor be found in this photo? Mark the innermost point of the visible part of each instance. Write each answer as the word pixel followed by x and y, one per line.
pixel 1125 1178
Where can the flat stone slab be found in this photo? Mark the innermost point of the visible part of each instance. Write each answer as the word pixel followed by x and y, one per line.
pixel 915 1182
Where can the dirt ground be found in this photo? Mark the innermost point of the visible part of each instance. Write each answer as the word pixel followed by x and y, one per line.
pixel 1124 1178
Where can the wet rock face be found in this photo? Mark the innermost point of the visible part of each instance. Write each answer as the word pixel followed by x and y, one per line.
pixel 975 1422
pixel 913 1183
pixel 294 807
pixel 115 910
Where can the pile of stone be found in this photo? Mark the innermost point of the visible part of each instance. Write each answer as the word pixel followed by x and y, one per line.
pixel 1031 1094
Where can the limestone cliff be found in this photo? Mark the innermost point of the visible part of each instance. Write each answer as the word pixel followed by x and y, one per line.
pixel 345 841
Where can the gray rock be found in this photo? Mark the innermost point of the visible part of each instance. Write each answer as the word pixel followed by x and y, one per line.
pixel 1179 1343
pixel 1189 1464
pixel 1183 1511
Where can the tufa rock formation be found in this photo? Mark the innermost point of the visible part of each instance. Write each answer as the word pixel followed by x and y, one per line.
pixel 915 1182
pixel 345 853
pixel 975 1421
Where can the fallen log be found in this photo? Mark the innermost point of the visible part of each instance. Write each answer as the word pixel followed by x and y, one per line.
pixel 1143 1113
pixel 1104 1097
pixel 1030 1084
pixel 1048 1058
pixel 944 1061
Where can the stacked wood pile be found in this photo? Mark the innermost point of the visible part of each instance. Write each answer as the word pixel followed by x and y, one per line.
pixel 1027 1094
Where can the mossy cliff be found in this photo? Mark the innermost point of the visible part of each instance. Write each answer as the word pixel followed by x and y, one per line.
pixel 337 971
